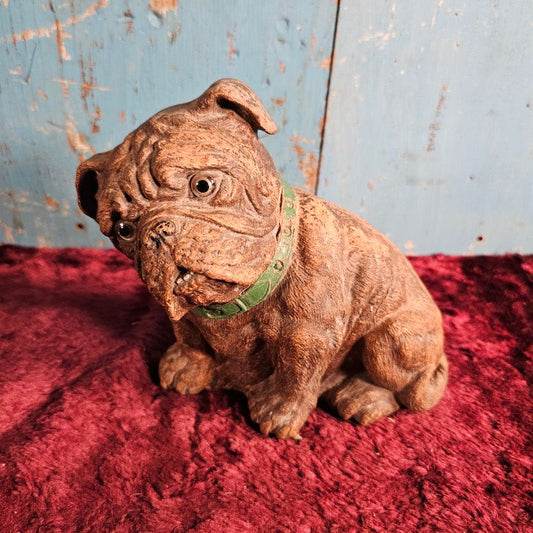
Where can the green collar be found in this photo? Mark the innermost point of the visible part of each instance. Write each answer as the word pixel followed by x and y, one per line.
pixel 270 278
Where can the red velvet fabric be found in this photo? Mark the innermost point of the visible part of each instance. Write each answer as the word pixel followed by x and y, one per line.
pixel 89 442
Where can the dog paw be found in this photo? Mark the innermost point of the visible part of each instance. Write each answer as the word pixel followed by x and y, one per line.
pixel 284 419
pixel 279 415
pixel 359 399
pixel 185 370
pixel 369 412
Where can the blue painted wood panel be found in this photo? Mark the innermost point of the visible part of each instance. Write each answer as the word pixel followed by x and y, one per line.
pixel 429 134
pixel 77 76
pixel 430 105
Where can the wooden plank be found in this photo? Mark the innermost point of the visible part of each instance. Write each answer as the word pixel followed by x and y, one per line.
pixel 77 76
pixel 430 123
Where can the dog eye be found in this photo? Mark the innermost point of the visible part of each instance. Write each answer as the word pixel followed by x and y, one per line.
pixel 125 230
pixel 202 185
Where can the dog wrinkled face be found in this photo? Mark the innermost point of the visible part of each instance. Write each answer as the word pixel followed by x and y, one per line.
pixel 192 197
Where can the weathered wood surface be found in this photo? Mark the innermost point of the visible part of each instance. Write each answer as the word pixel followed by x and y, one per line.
pixel 77 76
pixel 430 123
pixel 430 105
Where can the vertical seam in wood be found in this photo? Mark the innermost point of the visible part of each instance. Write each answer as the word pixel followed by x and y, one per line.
pixel 326 102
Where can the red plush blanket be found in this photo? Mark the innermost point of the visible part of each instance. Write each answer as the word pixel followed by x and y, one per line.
pixel 89 442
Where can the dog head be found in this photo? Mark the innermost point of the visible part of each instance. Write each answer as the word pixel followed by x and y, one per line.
pixel 192 197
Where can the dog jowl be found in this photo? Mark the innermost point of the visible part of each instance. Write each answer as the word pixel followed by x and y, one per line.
pixel 270 290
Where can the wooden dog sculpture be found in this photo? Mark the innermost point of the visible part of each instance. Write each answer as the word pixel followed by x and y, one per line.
pixel 270 290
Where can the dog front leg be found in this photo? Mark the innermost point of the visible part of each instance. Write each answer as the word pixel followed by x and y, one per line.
pixel 281 403
pixel 187 366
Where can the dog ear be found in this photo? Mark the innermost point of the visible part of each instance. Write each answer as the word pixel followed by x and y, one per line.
pixel 237 96
pixel 87 183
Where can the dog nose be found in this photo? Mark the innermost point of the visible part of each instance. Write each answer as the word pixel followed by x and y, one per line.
pixel 158 234
pixel 165 228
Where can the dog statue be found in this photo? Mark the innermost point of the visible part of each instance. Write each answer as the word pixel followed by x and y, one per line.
pixel 270 290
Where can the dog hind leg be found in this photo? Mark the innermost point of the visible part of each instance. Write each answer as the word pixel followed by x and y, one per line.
pixel 357 397
pixel 405 355
pixel 427 388
pixel 402 366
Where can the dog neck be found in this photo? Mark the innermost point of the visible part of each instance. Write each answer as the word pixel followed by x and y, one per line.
pixel 275 271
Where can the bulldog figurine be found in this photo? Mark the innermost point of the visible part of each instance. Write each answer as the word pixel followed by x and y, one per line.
pixel 270 290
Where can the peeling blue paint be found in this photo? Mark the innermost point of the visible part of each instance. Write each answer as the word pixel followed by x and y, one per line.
pixel 76 77
pixel 429 126
pixel 428 100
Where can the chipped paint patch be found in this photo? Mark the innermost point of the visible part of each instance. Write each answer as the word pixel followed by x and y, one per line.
pixel 47 31
pixel 309 168
pixel 8 232
pixel 77 142
pixel 321 126
pixel 424 182
pixel 97 116
pixel 19 201
pixel 87 86
pixel 299 150
pixel 297 139
pixel 51 203
pixel 17 71
pixel 15 202
pixel 42 94
pixel 65 85
pixel 61 35
pixel 173 35
pixel 282 67
pixel 128 17
pixel 232 51
pixel 434 19
pixel 163 6
pixel 307 164
pixel 435 126
pixel 279 101
pixel 87 78
pixel 381 37
pixel 12 198
pixel 65 208
pixel 325 63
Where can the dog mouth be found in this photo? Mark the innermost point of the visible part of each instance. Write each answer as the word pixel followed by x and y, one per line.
pixel 199 289
pixel 189 284
pixel 184 278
